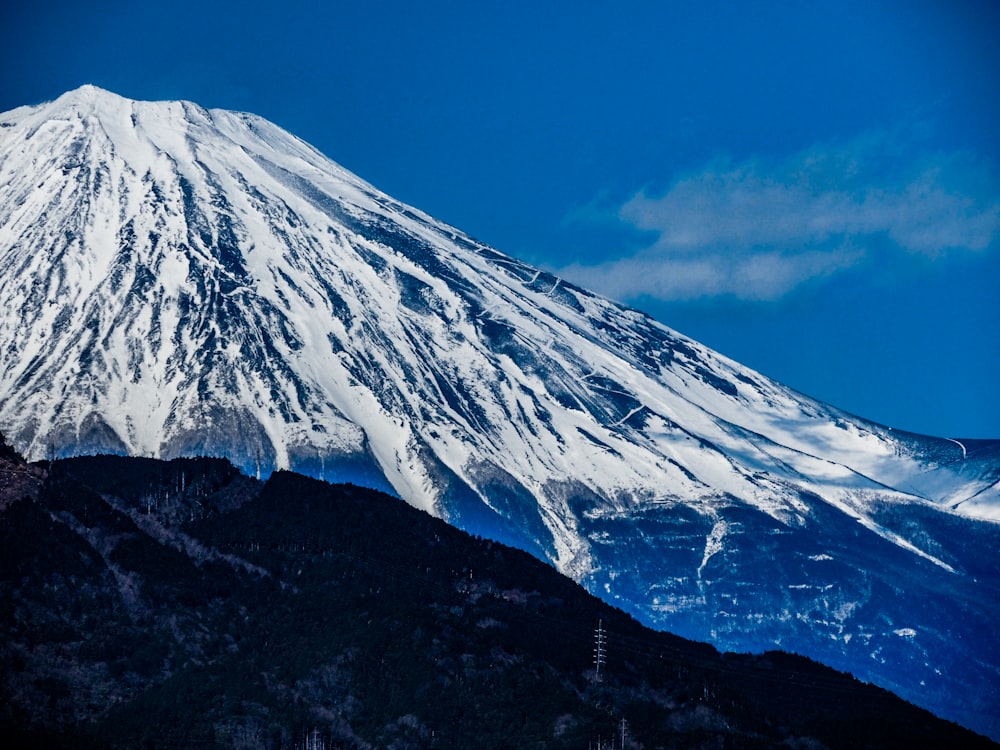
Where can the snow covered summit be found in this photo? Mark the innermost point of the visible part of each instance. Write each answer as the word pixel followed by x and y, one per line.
pixel 177 281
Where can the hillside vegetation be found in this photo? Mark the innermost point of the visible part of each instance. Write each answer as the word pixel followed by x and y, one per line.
pixel 149 604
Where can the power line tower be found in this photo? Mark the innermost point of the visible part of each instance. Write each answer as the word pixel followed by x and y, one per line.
pixel 600 647
pixel 314 742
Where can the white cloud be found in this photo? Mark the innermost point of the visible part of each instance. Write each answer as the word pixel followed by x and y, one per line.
pixel 757 229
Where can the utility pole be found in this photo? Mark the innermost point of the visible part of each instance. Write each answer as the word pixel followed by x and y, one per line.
pixel 600 643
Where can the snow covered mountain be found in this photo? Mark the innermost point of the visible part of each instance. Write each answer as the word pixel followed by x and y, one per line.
pixel 178 281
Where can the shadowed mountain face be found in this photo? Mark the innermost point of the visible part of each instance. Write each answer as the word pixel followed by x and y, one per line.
pixel 180 604
pixel 177 281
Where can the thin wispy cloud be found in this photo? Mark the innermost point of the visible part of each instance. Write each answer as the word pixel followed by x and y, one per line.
pixel 759 228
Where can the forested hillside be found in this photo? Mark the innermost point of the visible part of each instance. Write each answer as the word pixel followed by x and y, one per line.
pixel 161 605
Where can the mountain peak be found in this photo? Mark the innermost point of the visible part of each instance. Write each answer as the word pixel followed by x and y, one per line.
pixel 90 92
pixel 89 99
pixel 178 281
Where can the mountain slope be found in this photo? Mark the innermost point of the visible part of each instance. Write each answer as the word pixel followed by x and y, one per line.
pixel 178 281
pixel 153 604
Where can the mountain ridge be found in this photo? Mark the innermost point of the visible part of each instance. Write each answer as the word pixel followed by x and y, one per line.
pixel 181 604
pixel 183 281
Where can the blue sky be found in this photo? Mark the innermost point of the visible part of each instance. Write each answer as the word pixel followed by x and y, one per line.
pixel 810 188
